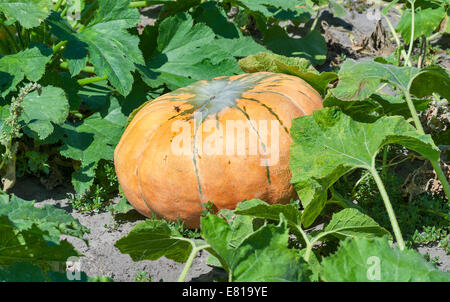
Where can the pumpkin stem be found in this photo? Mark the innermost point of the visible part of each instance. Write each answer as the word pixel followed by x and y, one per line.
pixel 389 209
pixel 195 250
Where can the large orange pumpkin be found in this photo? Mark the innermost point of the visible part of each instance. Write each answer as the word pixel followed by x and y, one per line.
pixel 177 153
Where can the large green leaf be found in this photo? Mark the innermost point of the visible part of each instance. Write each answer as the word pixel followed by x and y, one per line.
pixel 425 22
pixel 153 239
pixel 29 245
pixel 229 37
pixel 113 51
pixel 279 9
pixel 300 67
pixel 241 226
pixel 375 106
pixel 92 140
pixel 352 223
pixel 30 13
pixel 56 222
pixel 28 272
pixel 261 209
pixel 329 144
pixel 346 223
pixel 29 64
pixel 35 251
pixel 186 53
pixel 171 7
pixel 42 110
pixel 363 260
pixel 358 80
pixel 311 47
pixel 261 256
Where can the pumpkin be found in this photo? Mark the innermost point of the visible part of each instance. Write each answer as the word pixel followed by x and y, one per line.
pixel 185 148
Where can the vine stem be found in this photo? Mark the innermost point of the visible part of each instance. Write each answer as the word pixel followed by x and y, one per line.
pixel 435 163
pixel 91 80
pixel 88 69
pixel 186 268
pixel 139 3
pixel 411 41
pixel 58 5
pixel 397 39
pixel 384 167
pixel 58 46
pixel 389 209
pixel 316 19
pixel 309 245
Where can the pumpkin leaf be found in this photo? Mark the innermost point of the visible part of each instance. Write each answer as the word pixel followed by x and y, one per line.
pixel 359 80
pixel 29 245
pixel 261 256
pixel 228 36
pixel 375 106
pixel 153 239
pixel 261 209
pixel 367 110
pixel 29 63
pixel 300 67
pixel 171 7
pixel 329 144
pixel 264 257
pixel 425 22
pixel 92 140
pixel 270 62
pixel 43 110
pixel 241 226
pixel 363 260
pixel 186 53
pixel 112 49
pixel 352 223
pixel 122 207
pixel 279 9
pixel 29 13
pixel 311 47
pixel 56 222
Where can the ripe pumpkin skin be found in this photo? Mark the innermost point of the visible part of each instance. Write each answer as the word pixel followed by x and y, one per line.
pixel 155 180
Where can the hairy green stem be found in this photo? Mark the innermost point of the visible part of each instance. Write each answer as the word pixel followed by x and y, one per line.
pixel 58 5
pixel 87 81
pixel 411 42
pixel 384 167
pixel 397 39
pixel 64 11
pixel 88 69
pixel 433 36
pixel 389 209
pixel 139 3
pixel 316 19
pixel 192 255
pixel 58 46
pixel 435 163
pixel 413 111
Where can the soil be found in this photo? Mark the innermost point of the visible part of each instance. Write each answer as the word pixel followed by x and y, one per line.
pixel 101 257
pixel 345 37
